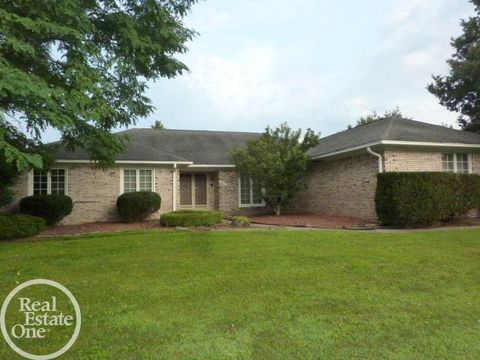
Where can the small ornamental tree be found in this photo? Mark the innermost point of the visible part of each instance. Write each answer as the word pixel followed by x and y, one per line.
pixel 277 162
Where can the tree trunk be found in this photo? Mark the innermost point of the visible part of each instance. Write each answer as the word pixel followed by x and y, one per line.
pixel 277 210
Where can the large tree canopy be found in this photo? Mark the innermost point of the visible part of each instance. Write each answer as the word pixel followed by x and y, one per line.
pixel 20 152
pixel 276 162
pixel 459 91
pixel 80 66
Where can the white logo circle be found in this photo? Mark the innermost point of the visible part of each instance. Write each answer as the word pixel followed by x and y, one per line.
pixel 58 286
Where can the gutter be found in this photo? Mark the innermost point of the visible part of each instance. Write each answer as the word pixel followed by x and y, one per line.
pixel 380 159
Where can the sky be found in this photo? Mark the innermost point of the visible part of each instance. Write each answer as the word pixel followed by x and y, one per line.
pixel 311 63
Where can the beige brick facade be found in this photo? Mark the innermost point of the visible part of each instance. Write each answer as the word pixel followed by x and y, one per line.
pixel 340 187
pixel 344 186
pixel 408 160
pixel 347 186
pixel 95 192
pixel 227 199
pixel 414 160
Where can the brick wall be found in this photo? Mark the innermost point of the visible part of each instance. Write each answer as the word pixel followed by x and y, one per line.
pixel 340 187
pixel 227 197
pixel 407 160
pixel 347 186
pixel 95 192
pixel 335 187
pixel 476 163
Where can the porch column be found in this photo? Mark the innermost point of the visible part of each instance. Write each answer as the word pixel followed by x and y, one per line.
pixel 174 187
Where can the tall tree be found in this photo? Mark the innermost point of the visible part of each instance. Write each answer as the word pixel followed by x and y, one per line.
pixel 276 162
pixel 364 120
pixel 158 125
pixel 81 67
pixel 459 91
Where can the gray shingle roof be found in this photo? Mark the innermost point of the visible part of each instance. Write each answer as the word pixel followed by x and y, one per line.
pixel 213 147
pixel 394 128
pixel 198 146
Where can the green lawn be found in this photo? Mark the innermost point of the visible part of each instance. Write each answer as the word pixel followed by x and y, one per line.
pixel 263 294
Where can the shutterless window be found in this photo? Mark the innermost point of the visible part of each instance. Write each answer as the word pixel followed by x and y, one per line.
pixel 462 163
pixel 458 163
pixel 250 192
pixel 49 182
pixel 137 180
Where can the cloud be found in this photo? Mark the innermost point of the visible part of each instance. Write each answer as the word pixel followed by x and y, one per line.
pixel 320 64
pixel 421 59
pixel 258 84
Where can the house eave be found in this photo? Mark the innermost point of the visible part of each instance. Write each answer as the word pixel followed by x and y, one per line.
pixel 421 144
pixel 202 166
pixel 120 162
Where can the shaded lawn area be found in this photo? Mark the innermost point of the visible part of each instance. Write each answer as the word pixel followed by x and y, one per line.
pixel 263 294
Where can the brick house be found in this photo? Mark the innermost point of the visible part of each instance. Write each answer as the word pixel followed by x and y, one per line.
pixel 192 170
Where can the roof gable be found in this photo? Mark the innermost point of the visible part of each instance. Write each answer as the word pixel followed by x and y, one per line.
pixel 392 129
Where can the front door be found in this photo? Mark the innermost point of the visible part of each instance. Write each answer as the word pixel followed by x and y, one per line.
pixel 193 190
pixel 200 181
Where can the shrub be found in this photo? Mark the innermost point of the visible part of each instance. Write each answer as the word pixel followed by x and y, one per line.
pixel 52 208
pixel 138 206
pixel 18 226
pixel 240 221
pixel 191 218
pixel 6 196
pixel 423 198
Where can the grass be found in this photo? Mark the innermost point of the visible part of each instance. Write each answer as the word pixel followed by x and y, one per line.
pixel 263 294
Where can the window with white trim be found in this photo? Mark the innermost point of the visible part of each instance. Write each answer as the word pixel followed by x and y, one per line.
pixel 137 180
pixel 52 181
pixel 457 163
pixel 250 192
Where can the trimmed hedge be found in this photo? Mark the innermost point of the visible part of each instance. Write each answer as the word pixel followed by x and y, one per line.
pixel 186 218
pixel 19 226
pixel 240 221
pixel 424 198
pixel 52 208
pixel 138 206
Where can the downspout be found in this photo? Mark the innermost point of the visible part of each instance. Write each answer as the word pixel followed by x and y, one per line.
pixel 174 189
pixel 380 160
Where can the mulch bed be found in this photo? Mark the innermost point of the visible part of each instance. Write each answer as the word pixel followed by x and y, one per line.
pixel 100 227
pixel 296 220
pixel 313 220
pixel 303 220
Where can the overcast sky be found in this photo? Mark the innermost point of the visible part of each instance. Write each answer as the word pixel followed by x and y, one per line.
pixel 312 63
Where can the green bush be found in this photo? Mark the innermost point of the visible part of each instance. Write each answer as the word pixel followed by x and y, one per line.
pixel 6 196
pixel 191 218
pixel 18 226
pixel 138 206
pixel 424 198
pixel 52 208
pixel 240 221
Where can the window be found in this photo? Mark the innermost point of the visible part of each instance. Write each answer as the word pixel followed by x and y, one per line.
pixel 250 193
pixel 462 163
pixel 137 180
pixel 49 182
pixel 458 163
